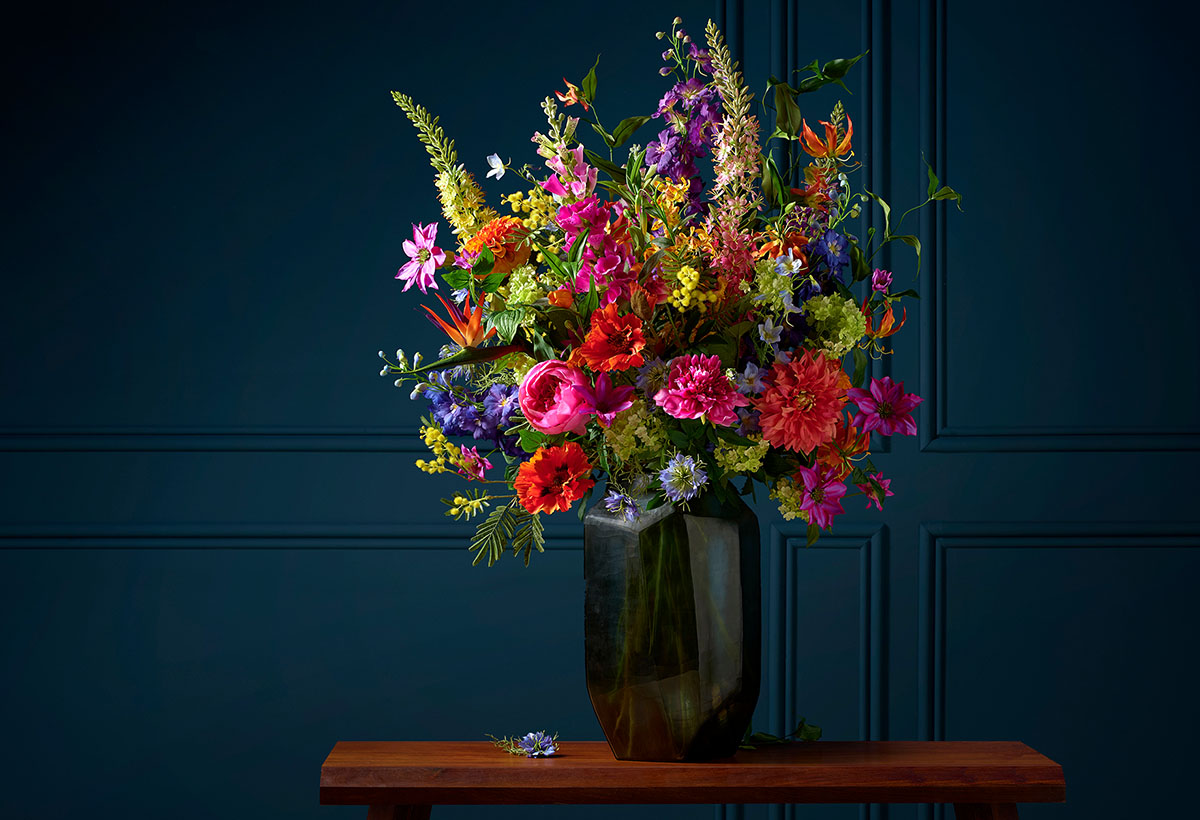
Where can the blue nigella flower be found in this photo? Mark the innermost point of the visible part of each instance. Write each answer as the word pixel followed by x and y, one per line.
pixel 537 744
pixel 682 478
pixel 618 502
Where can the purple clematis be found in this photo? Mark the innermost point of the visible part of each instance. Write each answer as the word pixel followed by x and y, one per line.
pixel 424 258
pixel 604 400
pixel 885 408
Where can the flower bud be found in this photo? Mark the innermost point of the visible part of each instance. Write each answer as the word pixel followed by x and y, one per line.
pixel 666 72
pixel 398 382
pixel 383 372
pixel 381 354
pixel 658 35
pixel 640 303
pixel 677 21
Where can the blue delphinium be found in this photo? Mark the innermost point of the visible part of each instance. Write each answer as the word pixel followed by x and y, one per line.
pixel 832 247
pixel 682 478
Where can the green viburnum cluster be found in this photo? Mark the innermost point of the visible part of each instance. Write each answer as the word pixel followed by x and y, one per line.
pixel 770 285
pixel 636 431
pixel 746 459
pixel 789 495
pixel 523 286
pixel 838 323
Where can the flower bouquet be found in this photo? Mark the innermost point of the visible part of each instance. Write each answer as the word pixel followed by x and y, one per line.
pixel 630 324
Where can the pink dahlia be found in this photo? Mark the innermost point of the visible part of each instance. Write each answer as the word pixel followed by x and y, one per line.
pixel 822 495
pixel 802 403
pixel 697 386
pixel 885 408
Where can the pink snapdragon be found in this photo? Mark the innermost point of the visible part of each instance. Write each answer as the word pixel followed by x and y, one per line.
pixel 697 387
pixel 548 401
pixel 578 179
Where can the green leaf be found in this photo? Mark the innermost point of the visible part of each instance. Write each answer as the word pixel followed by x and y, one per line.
pixel 912 242
pixel 806 731
pixel 656 501
pixel 457 278
pixel 588 86
pixel 933 179
pixel 814 532
pixel 778 188
pixel 507 322
pixel 613 170
pixel 887 213
pixel 860 367
pixel 484 263
pixel 905 294
pixel 492 535
pixel 554 262
pixel 470 355
pixel 860 268
pixel 680 439
pixel 787 113
pixel 492 282
pixel 531 439
pixel 626 127
pixel 607 137
pixel 837 69
pixel 946 192
pixel 529 534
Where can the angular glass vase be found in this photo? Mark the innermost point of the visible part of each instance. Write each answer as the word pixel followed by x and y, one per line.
pixel 672 628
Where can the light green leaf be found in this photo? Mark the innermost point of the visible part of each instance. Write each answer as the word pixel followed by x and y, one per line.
pixel 588 86
pixel 626 127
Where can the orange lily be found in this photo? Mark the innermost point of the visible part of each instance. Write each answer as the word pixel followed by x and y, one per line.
pixel 467 330
pixel 830 147
pixel 887 323
pixel 572 95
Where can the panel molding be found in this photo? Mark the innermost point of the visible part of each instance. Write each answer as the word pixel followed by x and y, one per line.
pixel 210 439
pixel 936 434
pixel 937 538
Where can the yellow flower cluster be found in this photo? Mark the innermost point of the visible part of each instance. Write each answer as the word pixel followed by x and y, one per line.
pixel 635 431
pixel 671 197
pixel 444 452
pixel 688 293
pixel 789 495
pixel 538 209
pixel 462 202
pixel 733 458
pixel 462 506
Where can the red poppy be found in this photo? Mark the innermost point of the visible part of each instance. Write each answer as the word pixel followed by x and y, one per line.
pixel 613 342
pixel 554 479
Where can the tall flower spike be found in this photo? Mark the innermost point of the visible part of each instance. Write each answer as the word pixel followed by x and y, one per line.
pixel 467 328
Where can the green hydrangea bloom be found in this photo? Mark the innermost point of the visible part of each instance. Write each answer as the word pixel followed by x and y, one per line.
pixel 747 459
pixel 789 495
pixel 838 323
pixel 770 286
pixel 636 431
pixel 523 286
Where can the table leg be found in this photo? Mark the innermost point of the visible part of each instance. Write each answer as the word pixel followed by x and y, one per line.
pixel 398 812
pixel 985 811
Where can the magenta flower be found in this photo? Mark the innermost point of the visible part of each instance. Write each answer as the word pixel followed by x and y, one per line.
pixel 696 387
pixel 605 401
pixel 885 408
pixel 822 495
pixel 547 399
pixel 869 491
pixel 881 280
pixel 424 258
pixel 473 464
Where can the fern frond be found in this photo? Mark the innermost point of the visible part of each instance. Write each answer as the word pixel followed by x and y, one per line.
pixel 529 536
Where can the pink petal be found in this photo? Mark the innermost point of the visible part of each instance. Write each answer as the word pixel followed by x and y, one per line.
pixel 410 248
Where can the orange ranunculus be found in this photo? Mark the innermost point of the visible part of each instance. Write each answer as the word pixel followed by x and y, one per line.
pixel 554 479
pixel 831 147
pixel 467 328
pixel 613 342
pixel 504 236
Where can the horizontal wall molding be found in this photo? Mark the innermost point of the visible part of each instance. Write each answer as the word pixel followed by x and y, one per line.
pixel 936 433
pixel 138 536
pixel 210 439
pixel 938 538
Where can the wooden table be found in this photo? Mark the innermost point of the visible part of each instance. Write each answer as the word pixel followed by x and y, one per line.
pixel 404 780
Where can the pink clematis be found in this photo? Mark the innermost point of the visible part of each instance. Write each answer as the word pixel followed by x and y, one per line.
pixel 604 400
pixel 822 495
pixel 473 465
pixel 885 408
pixel 869 491
pixel 424 258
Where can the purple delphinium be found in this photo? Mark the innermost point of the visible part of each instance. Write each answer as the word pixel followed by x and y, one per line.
pixel 682 478
pixel 537 744
pixel 832 247
pixel 692 112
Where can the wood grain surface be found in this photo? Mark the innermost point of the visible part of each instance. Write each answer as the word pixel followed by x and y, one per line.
pixel 431 773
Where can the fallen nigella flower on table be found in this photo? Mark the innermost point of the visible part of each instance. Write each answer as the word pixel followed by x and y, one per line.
pixel 534 744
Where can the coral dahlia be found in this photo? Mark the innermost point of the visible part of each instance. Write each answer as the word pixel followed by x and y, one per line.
pixel 800 408
pixel 554 479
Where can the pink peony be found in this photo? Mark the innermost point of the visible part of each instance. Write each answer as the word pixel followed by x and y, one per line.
pixel 548 401
pixel 697 386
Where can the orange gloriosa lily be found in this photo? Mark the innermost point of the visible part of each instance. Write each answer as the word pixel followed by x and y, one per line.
pixel 830 147
pixel 887 323
pixel 467 330
pixel 572 95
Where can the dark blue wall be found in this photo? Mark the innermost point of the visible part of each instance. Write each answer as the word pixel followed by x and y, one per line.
pixel 216 558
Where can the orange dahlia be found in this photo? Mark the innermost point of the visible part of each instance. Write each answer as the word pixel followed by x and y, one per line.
pixel 847 442
pixel 613 342
pixel 800 409
pixel 554 479
pixel 503 236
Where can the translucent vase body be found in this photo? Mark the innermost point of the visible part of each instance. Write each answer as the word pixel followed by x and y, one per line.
pixel 672 628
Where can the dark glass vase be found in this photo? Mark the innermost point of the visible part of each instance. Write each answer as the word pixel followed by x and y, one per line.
pixel 672 628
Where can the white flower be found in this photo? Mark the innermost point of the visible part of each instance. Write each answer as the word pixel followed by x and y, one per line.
pixel 497 166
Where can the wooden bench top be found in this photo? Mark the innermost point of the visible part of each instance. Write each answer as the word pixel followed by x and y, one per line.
pixel 474 772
